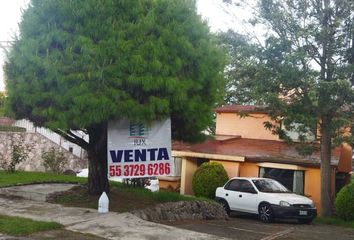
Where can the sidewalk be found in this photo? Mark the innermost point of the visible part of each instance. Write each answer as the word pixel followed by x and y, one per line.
pixel 110 226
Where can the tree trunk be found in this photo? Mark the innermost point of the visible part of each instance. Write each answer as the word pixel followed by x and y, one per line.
pixel 326 189
pixel 97 157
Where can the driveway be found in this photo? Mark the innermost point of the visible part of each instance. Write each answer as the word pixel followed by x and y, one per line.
pixel 247 227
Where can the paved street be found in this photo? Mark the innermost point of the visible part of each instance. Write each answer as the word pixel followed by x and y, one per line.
pixel 250 228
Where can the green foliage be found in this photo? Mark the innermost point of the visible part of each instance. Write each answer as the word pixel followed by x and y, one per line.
pixel 19 154
pixel 90 61
pixel 302 70
pixel 21 178
pixel 345 203
pixel 17 226
pixel 207 178
pixel 300 84
pixel 54 160
pixel 2 104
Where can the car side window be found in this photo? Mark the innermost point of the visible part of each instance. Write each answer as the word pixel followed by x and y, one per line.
pixel 233 185
pixel 246 186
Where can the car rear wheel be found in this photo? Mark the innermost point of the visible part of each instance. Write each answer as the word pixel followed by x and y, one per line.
pixel 225 206
pixel 265 213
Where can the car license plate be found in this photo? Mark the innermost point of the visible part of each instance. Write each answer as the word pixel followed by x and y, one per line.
pixel 303 213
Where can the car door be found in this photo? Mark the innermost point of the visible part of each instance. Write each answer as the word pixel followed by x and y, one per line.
pixel 232 189
pixel 248 196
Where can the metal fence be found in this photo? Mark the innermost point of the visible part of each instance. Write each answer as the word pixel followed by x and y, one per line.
pixel 54 137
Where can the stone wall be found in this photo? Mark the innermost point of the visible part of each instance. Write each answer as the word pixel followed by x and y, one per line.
pixel 35 144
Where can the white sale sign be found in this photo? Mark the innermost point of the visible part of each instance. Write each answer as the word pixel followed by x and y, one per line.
pixel 138 150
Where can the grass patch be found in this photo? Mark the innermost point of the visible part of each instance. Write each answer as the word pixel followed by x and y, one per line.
pixel 160 196
pixel 21 178
pixel 334 221
pixel 4 128
pixel 16 226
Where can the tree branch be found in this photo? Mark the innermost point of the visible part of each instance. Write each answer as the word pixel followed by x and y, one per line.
pixel 71 137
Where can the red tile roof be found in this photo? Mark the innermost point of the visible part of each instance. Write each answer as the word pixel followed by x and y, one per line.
pixel 255 150
pixel 240 108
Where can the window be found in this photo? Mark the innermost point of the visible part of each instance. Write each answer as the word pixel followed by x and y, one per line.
pixel 291 179
pixel 240 185
pixel 246 186
pixel 233 185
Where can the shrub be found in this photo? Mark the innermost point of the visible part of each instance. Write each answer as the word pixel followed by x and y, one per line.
pixel 19 154
pixel 207 178
pixel 54 160
pixel 345 202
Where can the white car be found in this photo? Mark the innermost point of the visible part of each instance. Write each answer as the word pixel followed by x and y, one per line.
pixel 265 197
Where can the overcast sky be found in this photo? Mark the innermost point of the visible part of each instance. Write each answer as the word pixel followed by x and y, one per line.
pixel 211 10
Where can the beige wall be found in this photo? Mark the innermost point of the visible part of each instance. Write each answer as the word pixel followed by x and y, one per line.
pixel 312 185
pixel 247 127
pixel 249 170
pixel 189 166
pixel 232 168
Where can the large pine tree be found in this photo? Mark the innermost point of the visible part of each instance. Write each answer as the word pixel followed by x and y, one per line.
pixel 78 64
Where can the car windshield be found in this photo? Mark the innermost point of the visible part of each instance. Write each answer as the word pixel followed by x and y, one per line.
pixel 269 185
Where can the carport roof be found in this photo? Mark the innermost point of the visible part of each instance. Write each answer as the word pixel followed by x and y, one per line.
pixel 256 150
pixel 241 108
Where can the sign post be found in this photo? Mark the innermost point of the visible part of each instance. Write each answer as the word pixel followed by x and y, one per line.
pixel 137 150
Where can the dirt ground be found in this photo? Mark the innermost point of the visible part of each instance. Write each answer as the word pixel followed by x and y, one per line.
pixel 79 197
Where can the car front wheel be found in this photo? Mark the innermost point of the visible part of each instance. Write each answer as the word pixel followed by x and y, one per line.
pixel 265 213
pixel 225 206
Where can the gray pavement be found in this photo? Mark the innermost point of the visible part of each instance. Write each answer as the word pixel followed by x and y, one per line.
pixel 110 226
pixel 246 227
pixel 128 226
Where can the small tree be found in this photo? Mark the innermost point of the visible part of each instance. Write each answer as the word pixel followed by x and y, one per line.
pixel 19 154
pixel 54 160
pixel 207 178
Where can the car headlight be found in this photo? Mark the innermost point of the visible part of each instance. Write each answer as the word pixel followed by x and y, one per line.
pixel 284 204
pixel 312 204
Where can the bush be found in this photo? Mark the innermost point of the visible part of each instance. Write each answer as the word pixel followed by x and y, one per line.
pixel 207 178
pixel 19 154
pixel 345 202
pixel 54 160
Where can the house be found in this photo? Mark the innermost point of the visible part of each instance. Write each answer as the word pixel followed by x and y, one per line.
pixel 246 149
